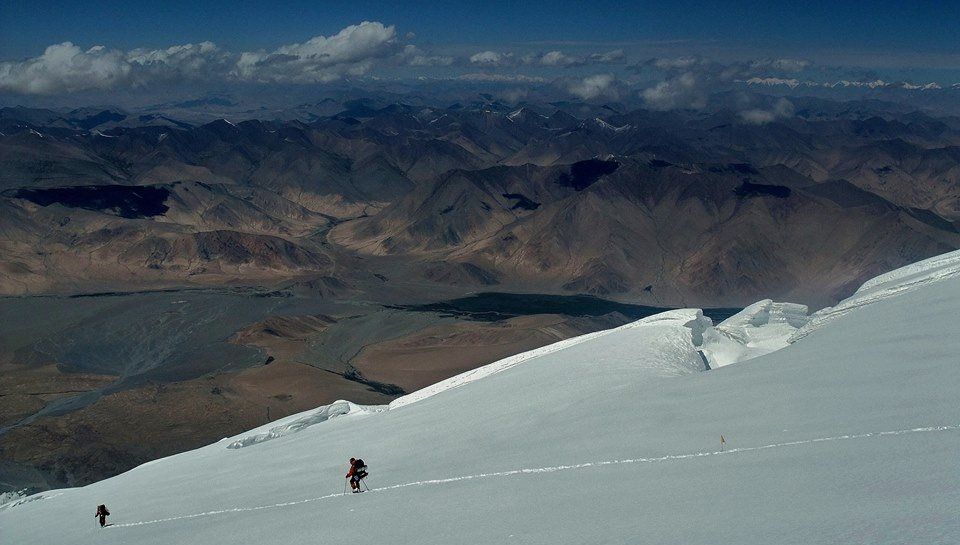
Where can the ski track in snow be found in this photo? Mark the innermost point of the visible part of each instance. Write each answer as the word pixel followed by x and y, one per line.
pixel 666 458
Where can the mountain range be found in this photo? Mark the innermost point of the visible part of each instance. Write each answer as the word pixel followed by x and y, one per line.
pixel 657 207
pixel 188 277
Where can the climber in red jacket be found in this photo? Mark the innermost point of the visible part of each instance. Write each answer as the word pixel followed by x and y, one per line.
pixel 358 470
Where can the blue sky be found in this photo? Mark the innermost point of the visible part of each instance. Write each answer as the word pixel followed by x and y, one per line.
pixel 26 27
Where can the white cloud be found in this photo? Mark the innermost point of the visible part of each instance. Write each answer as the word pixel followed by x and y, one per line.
pixel 780 65
pixel 494 59
pixel 682 91
pixel 529 58
pixel 350 52
pixel 533 59
pixel 65 68
pixel 558 58
pixel 515 78
pixel 188 61
pixel 690 80
pixel 193 55
pixel 491 58
pixel 676 63
pixel 610 57
pixel 513 95
pixel 414 56
pixel 591 87
pixel 782 108
pixel 564 60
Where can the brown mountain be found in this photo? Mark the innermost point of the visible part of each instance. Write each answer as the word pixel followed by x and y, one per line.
pixel 665 207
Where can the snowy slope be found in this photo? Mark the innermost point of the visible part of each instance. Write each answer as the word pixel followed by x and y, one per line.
pixel 849 433
pixel 663 343
pixel 893 283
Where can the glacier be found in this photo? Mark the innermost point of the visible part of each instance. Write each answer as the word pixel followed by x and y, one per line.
pixel 840 427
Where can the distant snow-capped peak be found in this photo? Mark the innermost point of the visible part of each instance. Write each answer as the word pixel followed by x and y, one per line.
pixel 793 83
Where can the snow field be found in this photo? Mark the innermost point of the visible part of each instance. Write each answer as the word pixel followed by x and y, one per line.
pixel 847 434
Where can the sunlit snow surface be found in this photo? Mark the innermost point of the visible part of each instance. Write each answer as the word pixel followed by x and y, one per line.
pixel 301 421
pixel 841 427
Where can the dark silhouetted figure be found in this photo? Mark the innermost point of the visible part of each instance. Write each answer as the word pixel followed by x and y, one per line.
pixel 103 514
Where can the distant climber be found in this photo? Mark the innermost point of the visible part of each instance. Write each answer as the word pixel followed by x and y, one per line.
pixel 358 470
pixel 103 514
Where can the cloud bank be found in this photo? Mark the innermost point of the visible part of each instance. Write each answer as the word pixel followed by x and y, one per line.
pixel 782 108
pixel 555 58
pixel 350 52
pixel 67 68
pixel 374 50
pixel 593 87
pixel 690 80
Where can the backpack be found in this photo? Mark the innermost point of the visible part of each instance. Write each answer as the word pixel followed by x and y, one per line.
pixel 361 469
pixel 103 510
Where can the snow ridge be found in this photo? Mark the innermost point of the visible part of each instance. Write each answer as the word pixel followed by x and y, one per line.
pixel 554 469
pixel 757 330
pixel 324 413
pixel 893 283
pixel 610 126
pixel 686 317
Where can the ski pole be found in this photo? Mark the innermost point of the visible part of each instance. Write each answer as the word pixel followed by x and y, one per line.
pixel 344 487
